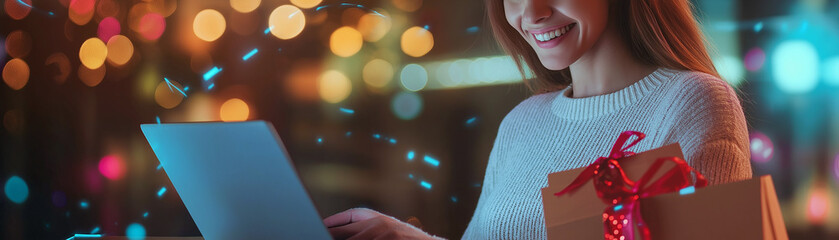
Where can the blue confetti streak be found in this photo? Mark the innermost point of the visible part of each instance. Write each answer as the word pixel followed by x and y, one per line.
pixel 687 190
pixel 159 166
pixel 431 161
pixel 82 235
pixel 472 29
pixel 161 192
pixel 95 230
pixel 758 26
pixel 211 86
pixel 426 27
pixel 186 88
pixel 454 199
pixel 267 30
pixel 250 54
pixel 471 120
pixel 347 110
pixel 618 207
pixel 392 141
pixel 377 136
pixel 145 214
pixel 320 140
pixel 411 176
pixel 425 184
pixel 348 134
pixel 173 86
pixel 84 204
pixel 24 3
pixel 211 73
pixel 410 156
pixel 158 119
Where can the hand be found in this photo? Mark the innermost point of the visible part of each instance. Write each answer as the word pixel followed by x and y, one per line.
pixel 363 223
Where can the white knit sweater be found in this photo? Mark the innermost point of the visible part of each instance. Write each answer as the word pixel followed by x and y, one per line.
pixel 552 132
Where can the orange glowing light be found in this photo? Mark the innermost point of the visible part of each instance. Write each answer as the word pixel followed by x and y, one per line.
pixel 120 50
pixel 818 206
pixel 286 22
pixel 373 27
pixel 407 5
pixel 17 11
pixel 244 6
pixel 334 86
pixel 91 77
pixel 234 110
pixel 377 73
pixel 18 44
pixel 16 73
pixel 93 53
pixel 345 41
pixel 81 11
pixel 417 41
pixel 167 97
pixel 208 25
pixel 306 3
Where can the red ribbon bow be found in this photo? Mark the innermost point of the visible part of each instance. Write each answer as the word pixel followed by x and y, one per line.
pixel 615 188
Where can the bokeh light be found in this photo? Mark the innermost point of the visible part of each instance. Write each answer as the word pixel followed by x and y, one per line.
pixel 16 73
pixel 163 7
pixel 135 231
pixel 730 69
pixel 18 44
pixel 286 22
pixel 166 97
pixel 13 121
pixel 345 41
pixel 406 105
pixel 417 41
pixel 112 167
pixel 761 147
pixel 107 8
pixel 17 11
pixel 413 77
pixel 234 109
pixel 62 63
pixel 306 3
pixel 754 59
pixel 108 27
pixel 244 6
pixel 795 66
pixel 151 26
pixel 91 77
pixel 830 71
pixel 334 86
pixel 16 189
pixel 407 5
pixel 373 27
pixel 120 50
pixel 208 25
pixel 377 73
pixel 818 205
pixel 81 11
pixel 93 53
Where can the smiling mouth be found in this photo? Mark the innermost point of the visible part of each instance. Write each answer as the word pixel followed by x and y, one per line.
pixel 547 36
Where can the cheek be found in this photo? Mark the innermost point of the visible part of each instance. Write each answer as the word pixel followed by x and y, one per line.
pixel 513 16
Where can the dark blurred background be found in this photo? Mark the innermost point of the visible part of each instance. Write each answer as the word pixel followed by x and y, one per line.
pixel 390 104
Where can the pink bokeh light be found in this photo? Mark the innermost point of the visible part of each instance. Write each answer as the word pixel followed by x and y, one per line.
pixel 152 26
pixel 754 59
pixel 108 27
pixel 761 147
pixel 817 206
pixel 81 7
pixel 112 167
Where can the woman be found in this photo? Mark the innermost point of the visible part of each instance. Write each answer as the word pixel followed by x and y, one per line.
pixel 601 67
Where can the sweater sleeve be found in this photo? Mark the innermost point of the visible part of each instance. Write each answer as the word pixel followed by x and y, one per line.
pixel 713 131
pixel 477 226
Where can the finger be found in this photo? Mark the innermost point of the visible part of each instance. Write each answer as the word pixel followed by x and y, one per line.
pixel 349 216
pixel 349 230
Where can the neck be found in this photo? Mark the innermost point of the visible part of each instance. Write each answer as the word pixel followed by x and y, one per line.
pixel 607 67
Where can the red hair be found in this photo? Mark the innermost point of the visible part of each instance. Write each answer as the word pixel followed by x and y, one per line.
pixel 662 33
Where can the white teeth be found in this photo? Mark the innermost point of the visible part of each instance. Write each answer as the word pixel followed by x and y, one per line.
pixel 553 34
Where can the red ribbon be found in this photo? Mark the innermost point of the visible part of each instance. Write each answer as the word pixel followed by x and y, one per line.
pixel 623 195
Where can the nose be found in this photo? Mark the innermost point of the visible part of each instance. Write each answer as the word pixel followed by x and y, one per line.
pixel 536 11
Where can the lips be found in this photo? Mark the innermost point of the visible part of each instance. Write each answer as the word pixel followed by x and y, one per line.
pixel 545 36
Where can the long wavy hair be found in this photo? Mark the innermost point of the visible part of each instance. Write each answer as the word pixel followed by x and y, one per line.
pixel 662 33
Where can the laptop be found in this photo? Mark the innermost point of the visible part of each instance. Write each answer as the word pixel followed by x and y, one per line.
pixel 236 180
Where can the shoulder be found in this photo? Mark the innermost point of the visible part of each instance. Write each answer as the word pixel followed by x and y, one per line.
pixel 702 89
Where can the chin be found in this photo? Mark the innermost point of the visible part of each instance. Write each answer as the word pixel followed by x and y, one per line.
pixel 555 63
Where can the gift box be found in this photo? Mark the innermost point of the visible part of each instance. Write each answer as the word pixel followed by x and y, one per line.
pixel 741 210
